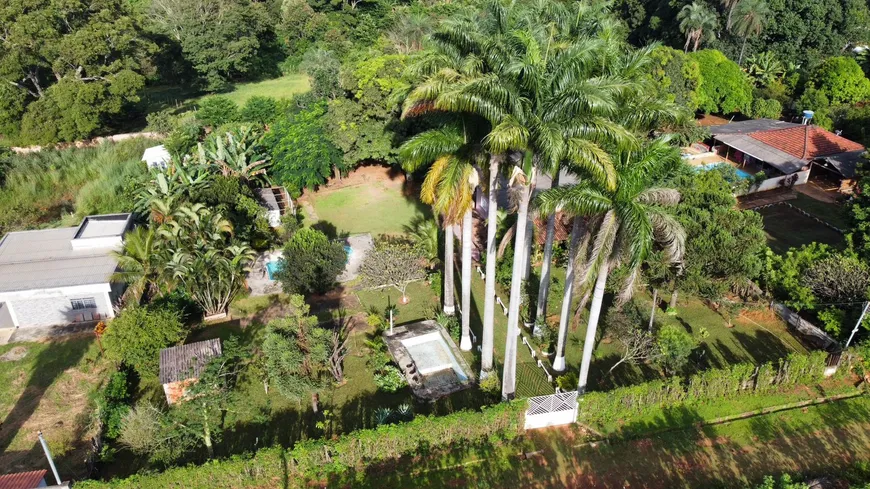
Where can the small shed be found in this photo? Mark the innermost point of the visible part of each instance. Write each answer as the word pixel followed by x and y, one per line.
pixel 180 366
pixel 156 157
pixel 24 480
pixel 277 202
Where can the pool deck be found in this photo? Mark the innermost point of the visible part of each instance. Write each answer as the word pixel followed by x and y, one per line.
pixel 360 245
pixel 258 277
pixel 434 385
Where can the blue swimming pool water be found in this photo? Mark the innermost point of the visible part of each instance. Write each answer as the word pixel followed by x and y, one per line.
pixel 712 166
pixel 272 267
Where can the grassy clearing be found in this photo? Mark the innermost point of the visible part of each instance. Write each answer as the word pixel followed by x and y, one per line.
pixel 757 336
pixel 52 188
pixel 787 228
pixel 422 305
pixel 183 98
pixel 49 387
pixel 375 208
pixel 834 214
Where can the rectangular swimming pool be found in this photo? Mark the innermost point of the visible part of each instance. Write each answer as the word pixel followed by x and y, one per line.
pixel 272 267
pixel 712 166
pixel 432 354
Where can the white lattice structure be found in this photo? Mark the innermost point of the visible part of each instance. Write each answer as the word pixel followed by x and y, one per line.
pixel 553 410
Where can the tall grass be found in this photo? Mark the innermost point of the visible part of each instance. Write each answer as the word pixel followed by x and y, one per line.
pixel 57 187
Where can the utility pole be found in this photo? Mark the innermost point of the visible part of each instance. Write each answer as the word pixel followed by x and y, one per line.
pixel 48 456
pixel 858 324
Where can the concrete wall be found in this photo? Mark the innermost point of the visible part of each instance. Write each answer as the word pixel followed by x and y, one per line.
pixel 5 317
pixel 798 178
pixel 54 308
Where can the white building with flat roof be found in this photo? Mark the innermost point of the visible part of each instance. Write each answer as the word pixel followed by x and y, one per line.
pixel 61 276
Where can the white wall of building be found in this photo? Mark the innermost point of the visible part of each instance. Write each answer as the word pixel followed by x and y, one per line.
pixel 49 307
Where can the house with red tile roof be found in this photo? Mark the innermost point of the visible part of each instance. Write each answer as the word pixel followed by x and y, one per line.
pixel 782 148
pixel 24 480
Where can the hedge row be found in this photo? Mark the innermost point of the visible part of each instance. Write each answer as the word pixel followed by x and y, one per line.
pixel 316 458
pixel 601 408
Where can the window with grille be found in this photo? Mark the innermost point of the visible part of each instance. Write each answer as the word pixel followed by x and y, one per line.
pixel 88 303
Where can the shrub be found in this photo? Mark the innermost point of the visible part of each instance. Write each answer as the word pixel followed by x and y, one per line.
pixel 217 110
pixel 567 382
pixel 259 109
pixel 766 109
pixel 842 80
pixel 183 138
pixel 674 345
pixel 162 122
pixel 137 335
pixel 311 263
pixel 724 87
pixel 113 403
pixel 490 386
pixel 390 379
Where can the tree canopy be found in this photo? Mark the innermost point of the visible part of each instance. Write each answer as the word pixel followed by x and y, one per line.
pixel 725 87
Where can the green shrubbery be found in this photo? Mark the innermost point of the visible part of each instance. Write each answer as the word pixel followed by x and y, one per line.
pixel 741 380
pixel 316 458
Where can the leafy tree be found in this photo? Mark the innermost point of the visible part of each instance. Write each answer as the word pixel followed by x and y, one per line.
pixel 784 482
pixel 297 353
pixel 765 68
pixel 217 110
pixel 392 264
pixel 389 379
pixel 66 67
pixel 424 233
pixel 113 403
pixel 724 245
pixel 259 110
pixel 137 335
pixel 674 347
pixel 311 262
pixel 838 278
pixel 766 108
pixel 238 154
pixel 698 22
pixel 725 87
pixel 816 100
pixel 638 344
pixel 841 80
pixel 303 156
pixel 677 75
pixel 222 39
pixel 323 68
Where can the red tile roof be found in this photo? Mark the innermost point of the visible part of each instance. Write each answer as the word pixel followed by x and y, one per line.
pixel 806 142
pixel 22 480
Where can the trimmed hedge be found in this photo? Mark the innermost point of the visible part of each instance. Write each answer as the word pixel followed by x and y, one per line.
pixel 316 458
pixel 741 380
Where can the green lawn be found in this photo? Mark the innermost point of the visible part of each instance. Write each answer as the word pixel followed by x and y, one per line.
pixel 373 208
pixel 834 214
pixel 787 228
pixel 421 305
pixel 183 98
pixel 48 386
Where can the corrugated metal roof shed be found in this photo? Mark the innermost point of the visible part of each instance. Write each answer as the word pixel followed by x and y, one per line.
pixel 843 163
pixel 187 361
pixel 22 480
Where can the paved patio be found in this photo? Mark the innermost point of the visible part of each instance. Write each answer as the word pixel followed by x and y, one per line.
pixel 360 245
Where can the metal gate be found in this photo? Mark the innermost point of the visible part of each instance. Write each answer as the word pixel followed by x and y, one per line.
pixel 553 410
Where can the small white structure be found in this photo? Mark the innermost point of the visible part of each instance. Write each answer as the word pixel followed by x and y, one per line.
pixel 552 410
pixel 277 202
pixel 61 276
pixel 156 157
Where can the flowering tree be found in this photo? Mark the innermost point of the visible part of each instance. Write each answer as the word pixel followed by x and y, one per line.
pixel 393 264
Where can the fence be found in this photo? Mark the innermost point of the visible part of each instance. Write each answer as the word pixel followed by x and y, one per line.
pixel 807 330
pixel 553 410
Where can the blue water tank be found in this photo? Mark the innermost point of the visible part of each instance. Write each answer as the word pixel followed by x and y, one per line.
pixel 808 114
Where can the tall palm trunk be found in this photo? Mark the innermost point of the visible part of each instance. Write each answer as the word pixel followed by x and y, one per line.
pixel 467 222
pixel 576 231
pixel 489 299
pixel 544 288
pixel 509 376
pixel 449 307
pixel 652 314
pixel 742 49
pixel 674 295
pixel 527 245
pixel 592 326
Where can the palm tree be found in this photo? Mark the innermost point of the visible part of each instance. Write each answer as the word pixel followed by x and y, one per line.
pixel 552 93
pixel 751 17
pixel 697 21
pixel 424 234
pixel 627 222
pixel 765 68
pixel 237 154
pixel 449 187
pixel 729 4
pixel 139 265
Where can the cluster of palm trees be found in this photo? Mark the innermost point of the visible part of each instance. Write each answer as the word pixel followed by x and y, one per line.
pixel 540 87
pixel 746 18
pixel 186 245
